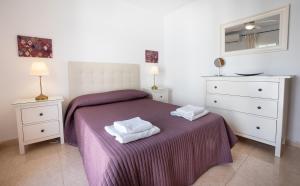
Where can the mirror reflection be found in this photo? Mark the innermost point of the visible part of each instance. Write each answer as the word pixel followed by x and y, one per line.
pixel 261 33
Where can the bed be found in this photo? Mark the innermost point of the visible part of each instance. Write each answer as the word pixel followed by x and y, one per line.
pixel 178 155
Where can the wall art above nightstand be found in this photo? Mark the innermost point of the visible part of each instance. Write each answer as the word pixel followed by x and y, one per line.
pixel 34 47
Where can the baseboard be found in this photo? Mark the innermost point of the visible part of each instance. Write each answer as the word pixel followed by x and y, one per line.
pixel 9 142
pixel 293 143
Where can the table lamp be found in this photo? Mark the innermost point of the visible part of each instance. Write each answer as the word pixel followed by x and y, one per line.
pixel 40 69
pixel 154 71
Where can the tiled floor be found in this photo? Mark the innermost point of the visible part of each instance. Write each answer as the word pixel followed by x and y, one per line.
pixel 49 163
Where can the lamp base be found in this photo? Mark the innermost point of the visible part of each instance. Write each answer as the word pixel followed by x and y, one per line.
pixel 41 97
pixel 154 87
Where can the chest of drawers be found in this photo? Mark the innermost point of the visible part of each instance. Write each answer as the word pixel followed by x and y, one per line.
pixel 255 107
pixel 38 121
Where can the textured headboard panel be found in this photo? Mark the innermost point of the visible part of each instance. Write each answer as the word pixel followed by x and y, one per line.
pixel 88 77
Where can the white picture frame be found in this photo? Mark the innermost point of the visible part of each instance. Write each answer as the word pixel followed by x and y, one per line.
pixel 283 32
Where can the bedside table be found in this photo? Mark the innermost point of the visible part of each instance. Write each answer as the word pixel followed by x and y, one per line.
pixel 39 121
pixel 161 94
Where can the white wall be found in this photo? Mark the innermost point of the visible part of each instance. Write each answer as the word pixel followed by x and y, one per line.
pixel 81 30
pixel 192 42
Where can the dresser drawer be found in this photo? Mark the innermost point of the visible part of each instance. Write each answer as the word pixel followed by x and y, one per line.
pixel 245 88
pixel 39 114
pixel 160 97
pixel 243 124
pixel 32 132
pixel 255 106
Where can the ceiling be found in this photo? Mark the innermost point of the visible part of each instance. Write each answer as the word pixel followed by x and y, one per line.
pixel 268 23
pixel 161 7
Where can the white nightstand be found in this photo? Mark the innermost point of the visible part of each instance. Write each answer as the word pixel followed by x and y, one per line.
pixel 39 121
pixel 161 94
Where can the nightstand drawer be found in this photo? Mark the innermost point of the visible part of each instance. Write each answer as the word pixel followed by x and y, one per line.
pixel 32 132
pixel 162 96
pixel 39 114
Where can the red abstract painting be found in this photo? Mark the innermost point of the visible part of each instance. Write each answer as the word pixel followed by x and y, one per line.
pixel 34 47
pixel 151 56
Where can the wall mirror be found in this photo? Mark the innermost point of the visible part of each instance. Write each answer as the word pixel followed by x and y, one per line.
pixel 266 32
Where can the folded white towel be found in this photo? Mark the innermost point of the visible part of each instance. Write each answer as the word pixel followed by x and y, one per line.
pixel 126 138
pixel 133 125
pixel 190 110
pixel 190 118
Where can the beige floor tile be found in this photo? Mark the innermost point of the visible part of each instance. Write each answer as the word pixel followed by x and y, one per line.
pixel 264 152
pixel 238 159
pixel 244 146
pixel 218 175
pixel 290 160
pixel 255 172
pixel 73 172
pixel 260 170
pixel 72 166
pixel 39 171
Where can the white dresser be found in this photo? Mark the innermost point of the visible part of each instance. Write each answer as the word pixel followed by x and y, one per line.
pixel 39 120
pixel 255 107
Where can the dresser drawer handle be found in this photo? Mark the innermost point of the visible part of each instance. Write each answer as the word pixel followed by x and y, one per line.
pixel 260 90
pixel 43 130
pixel 215 87
pixel 215 101
pixel 41 114
pixel 258 127
pixel 259 107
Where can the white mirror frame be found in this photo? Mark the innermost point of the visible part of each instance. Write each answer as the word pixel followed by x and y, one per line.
pixel 283 32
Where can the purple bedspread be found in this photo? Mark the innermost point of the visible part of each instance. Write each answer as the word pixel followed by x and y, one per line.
pixel 178 155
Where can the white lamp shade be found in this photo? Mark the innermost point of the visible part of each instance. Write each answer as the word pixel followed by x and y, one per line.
pixel 39 69
pixel 154 70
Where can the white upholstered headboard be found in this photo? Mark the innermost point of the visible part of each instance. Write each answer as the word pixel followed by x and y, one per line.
pixel 88 77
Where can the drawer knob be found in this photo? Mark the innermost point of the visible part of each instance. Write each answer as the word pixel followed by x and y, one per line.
pixel 259 107
pixel 215 87
pixel 215 101
pixel 260 89
pixel 43 130
pixel 258 127
pixel 41 114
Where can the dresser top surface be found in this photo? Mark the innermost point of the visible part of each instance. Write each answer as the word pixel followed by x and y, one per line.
pixel 249 77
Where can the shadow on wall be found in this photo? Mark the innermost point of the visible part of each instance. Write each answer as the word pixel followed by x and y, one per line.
pixel 292 95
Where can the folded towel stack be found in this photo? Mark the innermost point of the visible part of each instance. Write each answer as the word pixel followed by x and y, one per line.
pixel 131 130
pixel 133 125
pixel 190 112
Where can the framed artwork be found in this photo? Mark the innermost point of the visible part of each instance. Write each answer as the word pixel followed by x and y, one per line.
pixel 34 47
pixel 151 56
